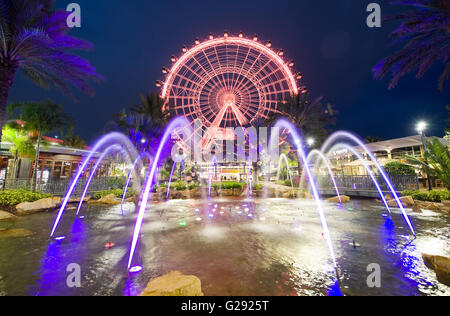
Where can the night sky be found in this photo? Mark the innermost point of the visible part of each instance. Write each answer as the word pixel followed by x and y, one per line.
pixel 328 39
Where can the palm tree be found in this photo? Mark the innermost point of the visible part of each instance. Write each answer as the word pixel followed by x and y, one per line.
pixel 34 38
pixel 310 116
pixel 22 144
pixel 425 32
pixel 438 158
pixel 43 117
pixel 75 141
pixel 151 107
pixel 146 120
pixel 372 139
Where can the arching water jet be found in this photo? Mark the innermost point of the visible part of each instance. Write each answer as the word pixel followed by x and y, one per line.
pixel 298 143
pixel 324 159
pixel 346 135
pixel 176 123
pixel 110 139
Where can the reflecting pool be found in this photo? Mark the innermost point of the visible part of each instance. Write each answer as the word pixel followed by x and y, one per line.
pixel 236 247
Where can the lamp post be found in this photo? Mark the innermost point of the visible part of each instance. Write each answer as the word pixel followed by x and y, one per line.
pixel 421 127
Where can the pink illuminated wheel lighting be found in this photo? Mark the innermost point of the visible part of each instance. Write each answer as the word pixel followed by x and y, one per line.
pixel 228 82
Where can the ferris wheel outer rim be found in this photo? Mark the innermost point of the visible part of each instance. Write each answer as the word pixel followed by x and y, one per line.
pixel 231 40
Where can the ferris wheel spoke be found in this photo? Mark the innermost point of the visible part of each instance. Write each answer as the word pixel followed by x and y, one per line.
pixel 268 75
pixel 244 63
pixel 210 64
pixel 196 85
pixel 220 65
pixel 228 82
pixel 207 74
pixel 253 77
pixel 248 71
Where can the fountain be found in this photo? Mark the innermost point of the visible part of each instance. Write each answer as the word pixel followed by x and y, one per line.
pixel 284 124
pixel 116 141
pixel 324 159
pixel 175 124
pixel 93 171
pixel 284 158
pixel 212 167
pixel 104 142
pixel 348 136
pixel 133 171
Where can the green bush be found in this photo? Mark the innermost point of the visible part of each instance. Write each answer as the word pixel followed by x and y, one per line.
pixel 257 186
pixel 429 196
pixel 397 168
pixel 117 183
pixel 193 186
pixel 179 186
pixel 14 197
pixel 229 185
pixel 117 192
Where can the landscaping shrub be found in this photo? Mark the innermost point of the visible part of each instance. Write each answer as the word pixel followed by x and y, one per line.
pixel 397 168
pixel 193 186
pixel 117 183
pixel 117 192
pixel 179 185
pixel 229 185
pixel 257 186
pixel 14 197
pixel 429 196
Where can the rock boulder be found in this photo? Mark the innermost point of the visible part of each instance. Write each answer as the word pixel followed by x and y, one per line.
pixel 407 201
pixel 78 199
pixel 174 284
pixel 15 233
pixel 6 217
pixel 430 206
pixel 441 265
pixel 110 199
pixel 42 205
pixel 344 199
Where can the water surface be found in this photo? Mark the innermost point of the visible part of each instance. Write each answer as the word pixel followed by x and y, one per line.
pixel 262 247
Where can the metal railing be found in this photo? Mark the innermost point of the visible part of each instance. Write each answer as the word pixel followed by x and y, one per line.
pixel 59 187
pixel 400 182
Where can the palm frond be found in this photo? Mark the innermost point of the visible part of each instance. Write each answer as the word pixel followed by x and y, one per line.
pixel 424 33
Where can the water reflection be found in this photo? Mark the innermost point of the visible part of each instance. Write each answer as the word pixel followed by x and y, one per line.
pixel 278 250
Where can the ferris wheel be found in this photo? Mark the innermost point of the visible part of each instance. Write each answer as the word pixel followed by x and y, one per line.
pixel 230 81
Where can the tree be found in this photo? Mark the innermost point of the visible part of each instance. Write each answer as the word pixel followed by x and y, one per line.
pixel 372 139
pixel 424 31
pixel 72 140
pixel 151 108
pixel 22 144
pixel 310 116
pixel 146 120
pixel 396 168
pixel 75 141
pixel 438 157
pixel 34 38
pixel 43 117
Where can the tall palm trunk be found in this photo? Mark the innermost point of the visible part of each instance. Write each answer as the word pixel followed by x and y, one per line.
pixel 36 161
pixel 7 73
